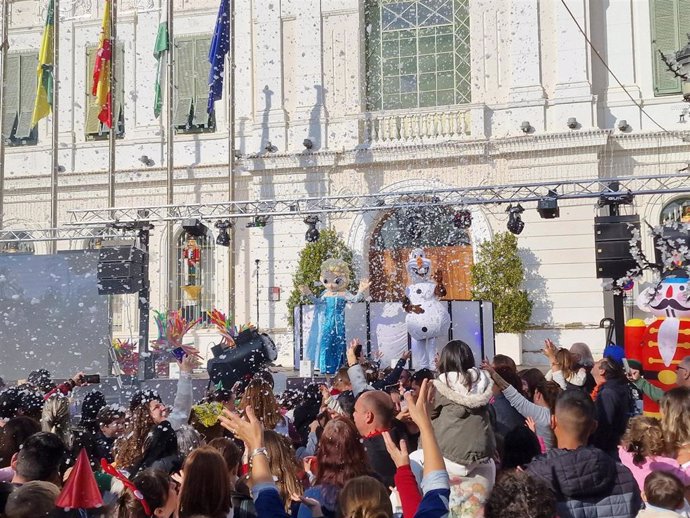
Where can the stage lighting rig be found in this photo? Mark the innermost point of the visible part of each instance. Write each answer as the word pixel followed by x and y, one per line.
pixel 313 234
pixel 515 224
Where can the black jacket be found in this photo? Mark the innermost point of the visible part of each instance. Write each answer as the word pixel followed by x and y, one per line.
pixel 379 459
pixel 588 483
pixel 613 405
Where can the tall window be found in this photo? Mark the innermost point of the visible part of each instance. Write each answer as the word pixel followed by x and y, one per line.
pixel 191 80
pixel 195 292
pixel 676 211
pixel 418 53
pixel 93 127
pixel 20 93
pixel 670 25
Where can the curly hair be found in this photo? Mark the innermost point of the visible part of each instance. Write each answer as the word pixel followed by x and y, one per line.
pixel 340 455
pixel 259 395
pixel 129 449
pixel 675 417
pixel 517 495
pixel 644 438
pixel 365 497
pixel 284 467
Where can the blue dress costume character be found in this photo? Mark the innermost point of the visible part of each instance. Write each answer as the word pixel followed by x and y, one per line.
pixel 327 344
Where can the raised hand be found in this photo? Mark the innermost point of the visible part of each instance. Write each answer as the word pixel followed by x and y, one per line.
pixel 400 455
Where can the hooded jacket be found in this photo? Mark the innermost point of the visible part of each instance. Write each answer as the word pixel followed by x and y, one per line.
pixel 461 417
pixel 588 483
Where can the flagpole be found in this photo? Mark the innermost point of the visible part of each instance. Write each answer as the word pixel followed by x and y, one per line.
pixel 5 45
pixel 170 146
pixel 55 124
pixel 113 121
pixel 231 164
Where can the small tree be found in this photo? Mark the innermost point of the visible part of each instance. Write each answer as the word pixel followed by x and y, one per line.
pixel 329 246
pixel 498 276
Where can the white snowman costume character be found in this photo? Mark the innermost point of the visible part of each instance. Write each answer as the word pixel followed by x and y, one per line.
pixel 427 317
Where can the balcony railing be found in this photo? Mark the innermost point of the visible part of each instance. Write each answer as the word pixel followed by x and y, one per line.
pixel 416 126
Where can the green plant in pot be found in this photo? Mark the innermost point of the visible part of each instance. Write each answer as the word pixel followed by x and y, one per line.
pixel 498 276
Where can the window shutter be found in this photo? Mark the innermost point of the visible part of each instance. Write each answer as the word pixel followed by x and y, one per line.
pixel 92 125
pixel 202 68
pixel 28 63
pixel 184 82
pixel 11 85
pixel 119 93
pixel 665 25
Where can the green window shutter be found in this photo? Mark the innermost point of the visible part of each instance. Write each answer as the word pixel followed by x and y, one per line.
pixel 28 63
pixel 202 67
pixel 665 24
pixel 12 106
pixel 92 125
pixel 184 82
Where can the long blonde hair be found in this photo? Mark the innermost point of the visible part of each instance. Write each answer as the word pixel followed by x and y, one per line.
pixel 55 418
pixel 365 497
pixel 284 467
pixel 675 418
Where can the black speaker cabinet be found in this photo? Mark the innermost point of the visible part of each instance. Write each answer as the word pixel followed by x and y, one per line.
pixel 612 235
pixel 120 270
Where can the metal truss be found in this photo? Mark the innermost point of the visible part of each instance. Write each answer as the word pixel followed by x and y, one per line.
pixel 122 222
pixel 73 233
pixel 462 196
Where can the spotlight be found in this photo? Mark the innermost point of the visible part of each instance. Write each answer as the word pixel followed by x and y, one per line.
pixel 572 123
pixel 223 238
pixel 462 219
pixel 623 125
pixel 614 195
pixel 548 207
pixel 313 234
pixel 258 222
pixel 148 162
pixel 269 147
pixel 515 223
pixel 238 154
pixel 526 127
pixel 307 143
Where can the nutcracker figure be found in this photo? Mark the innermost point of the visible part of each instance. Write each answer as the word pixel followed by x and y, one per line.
pixel 666 340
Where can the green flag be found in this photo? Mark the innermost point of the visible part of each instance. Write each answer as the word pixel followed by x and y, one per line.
pixel 160 49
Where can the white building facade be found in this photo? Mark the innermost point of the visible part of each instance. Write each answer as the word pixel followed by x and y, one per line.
pixel 395 96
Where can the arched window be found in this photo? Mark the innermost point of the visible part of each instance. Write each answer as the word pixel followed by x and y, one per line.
pixel 195 274
pixel 678 210
pixel 431 228
pixel 19 243
pixel 417 53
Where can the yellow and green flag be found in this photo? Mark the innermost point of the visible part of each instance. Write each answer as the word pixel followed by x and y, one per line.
pixel 44 93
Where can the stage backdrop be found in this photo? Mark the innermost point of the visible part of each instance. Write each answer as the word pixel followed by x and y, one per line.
pixel 51 315
pixel 381 327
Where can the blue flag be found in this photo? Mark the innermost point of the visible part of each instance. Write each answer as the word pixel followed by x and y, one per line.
pixel 220 45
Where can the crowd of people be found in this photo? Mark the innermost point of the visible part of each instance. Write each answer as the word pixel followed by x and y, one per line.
pixel 465 440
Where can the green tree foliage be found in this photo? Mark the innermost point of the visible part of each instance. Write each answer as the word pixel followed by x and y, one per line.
pixel 329 246
pixel 498 276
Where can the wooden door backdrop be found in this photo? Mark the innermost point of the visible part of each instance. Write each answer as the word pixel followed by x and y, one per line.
pixel 389 277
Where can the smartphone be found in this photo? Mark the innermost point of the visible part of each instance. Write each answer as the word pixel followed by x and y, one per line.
pixel 92 379
pixel 626 366
pixel 179 353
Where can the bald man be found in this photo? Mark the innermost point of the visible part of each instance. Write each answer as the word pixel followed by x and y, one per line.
pixel 374 414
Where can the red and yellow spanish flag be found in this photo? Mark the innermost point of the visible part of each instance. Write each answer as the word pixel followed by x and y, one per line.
pixel 101 72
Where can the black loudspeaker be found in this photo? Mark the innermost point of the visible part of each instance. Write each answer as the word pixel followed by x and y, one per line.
pixel 612 235
pixel 252 351
pixel 120 270
pixel 194 227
